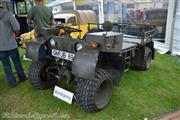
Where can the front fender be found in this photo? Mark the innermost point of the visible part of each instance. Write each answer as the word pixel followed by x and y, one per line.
pixel 84 64
pixel 35 51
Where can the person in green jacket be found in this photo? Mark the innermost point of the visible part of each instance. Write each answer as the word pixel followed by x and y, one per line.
pixel 8 46
pixel 40 16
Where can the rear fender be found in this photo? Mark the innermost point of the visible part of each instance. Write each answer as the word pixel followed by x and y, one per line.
pixel 84 64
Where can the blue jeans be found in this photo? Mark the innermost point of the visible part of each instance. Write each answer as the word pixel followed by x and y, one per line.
pixel 14 55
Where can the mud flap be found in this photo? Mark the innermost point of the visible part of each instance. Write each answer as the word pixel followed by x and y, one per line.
pixel 35 51
pixel 116 75
pixel 84 64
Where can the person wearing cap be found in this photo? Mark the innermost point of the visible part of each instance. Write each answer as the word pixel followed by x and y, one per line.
pixel 8 46
pixel 40 16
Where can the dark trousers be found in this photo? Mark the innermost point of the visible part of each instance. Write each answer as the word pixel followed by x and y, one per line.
pixel 14 55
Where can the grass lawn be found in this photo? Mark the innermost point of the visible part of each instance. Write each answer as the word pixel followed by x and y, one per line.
pixel 141 94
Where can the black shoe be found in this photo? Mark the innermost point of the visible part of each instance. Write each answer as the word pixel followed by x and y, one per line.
pixel 13 86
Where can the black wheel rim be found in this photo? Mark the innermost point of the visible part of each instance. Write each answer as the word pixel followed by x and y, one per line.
pixel 103 94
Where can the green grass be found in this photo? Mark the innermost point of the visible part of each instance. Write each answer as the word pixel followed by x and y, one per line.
pixel 141 94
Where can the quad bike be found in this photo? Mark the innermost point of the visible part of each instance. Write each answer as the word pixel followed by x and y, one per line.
pixel 95 63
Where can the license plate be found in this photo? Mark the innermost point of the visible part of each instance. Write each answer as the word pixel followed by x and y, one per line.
pixel 63 55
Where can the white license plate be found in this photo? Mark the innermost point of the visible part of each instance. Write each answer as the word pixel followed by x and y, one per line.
pixel 63 94
pixel 63 55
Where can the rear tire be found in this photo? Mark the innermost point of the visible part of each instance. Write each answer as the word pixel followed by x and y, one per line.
pixel 147 59
pixel 94 95
pixel 38 76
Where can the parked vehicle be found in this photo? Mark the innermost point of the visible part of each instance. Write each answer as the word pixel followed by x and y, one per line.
pixel 94 63
pixel 78 19
pixel 156 17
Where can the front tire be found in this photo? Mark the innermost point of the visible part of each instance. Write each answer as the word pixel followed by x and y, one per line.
pixel 94 95
pixel 38 76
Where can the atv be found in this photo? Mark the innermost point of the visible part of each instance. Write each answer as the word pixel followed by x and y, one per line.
pixel 95 63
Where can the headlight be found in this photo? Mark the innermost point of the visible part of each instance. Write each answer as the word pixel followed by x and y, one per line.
pixel 52 42
pixel 108 46
pixel 79 46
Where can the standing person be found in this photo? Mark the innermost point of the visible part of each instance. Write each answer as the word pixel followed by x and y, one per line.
pixel 138 16
pixel 40 16
pixel 8 46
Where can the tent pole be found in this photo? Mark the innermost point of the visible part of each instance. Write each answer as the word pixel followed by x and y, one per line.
pixel 170 24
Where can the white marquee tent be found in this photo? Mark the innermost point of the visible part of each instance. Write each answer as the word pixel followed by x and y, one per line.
pixel 172 40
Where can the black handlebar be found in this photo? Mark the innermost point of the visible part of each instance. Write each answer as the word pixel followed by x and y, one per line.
pixel 68 30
